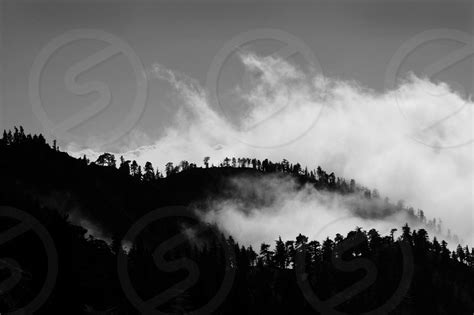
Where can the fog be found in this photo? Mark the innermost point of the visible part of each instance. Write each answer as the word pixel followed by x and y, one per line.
pixel 404 142
pixel 267 207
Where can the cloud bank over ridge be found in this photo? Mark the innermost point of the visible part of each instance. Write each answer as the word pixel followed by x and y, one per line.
pixel 393 141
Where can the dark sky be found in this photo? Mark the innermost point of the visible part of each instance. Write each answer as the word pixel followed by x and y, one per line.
pixel 352 40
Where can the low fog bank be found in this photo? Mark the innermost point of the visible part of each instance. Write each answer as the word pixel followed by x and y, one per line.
pixel 264 208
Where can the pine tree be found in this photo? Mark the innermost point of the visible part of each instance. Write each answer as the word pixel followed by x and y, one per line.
pixel 149 172
pixel 169 169
pixel 134 169
pixel 265 254
pixel 281 256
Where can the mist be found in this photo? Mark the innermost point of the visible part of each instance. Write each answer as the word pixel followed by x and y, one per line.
pixel 403 142
pixel 264 208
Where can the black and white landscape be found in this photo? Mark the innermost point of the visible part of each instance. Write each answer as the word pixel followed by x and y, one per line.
pixel 236 157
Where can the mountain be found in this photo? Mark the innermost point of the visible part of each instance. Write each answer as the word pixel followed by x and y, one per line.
pixel 92 243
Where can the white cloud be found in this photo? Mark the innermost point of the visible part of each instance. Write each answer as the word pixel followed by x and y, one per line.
pixel 383 140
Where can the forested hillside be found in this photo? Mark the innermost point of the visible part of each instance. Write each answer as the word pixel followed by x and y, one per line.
pixel 120 263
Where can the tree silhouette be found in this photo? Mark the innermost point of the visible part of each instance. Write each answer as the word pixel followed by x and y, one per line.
pixel 106 159
pixel 265 254
pixel 206 161
pixel 281 256
pixel 149 174
pixel 169 169
pixel 124 167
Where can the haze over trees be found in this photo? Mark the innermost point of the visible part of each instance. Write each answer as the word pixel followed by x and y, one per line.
pixel 318 177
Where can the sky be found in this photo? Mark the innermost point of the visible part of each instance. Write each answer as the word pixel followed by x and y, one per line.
pixel 376 91
pixel 354 40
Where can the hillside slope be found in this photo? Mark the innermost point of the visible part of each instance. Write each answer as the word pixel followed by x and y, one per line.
pixel 65 194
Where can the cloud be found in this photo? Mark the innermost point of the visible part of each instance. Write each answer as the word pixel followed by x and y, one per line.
pixel 263 208
pixel 392 141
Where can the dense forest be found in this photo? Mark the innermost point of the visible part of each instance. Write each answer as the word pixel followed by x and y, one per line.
pixel 154 255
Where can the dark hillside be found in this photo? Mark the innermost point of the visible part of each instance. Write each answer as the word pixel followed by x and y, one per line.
pixel 418 273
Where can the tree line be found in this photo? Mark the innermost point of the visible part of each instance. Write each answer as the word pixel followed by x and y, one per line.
pixel 318 177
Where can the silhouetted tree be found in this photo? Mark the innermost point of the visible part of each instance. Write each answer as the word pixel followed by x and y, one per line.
pixel 281 256
pixel 265 254
pixel 184 165
pixel 169 169
pixel 124 167
pixel 106 159
pixel 149 174
pixel 206 161
pixel 134 169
